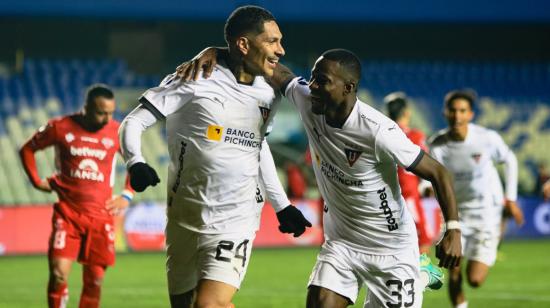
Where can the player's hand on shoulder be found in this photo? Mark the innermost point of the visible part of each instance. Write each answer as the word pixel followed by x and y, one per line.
pixel 291 220
pixel 142 175
pixel 511 209
pixel 449 249
pixel 206 61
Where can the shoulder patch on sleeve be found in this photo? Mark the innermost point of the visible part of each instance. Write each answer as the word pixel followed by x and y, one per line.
pixel 302 81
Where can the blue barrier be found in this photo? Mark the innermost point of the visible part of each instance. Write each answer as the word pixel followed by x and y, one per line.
pixel 537 220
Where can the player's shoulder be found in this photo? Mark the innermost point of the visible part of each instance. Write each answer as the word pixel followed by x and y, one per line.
pixel 438 139
pixel 371 117
pixel 478 129
pixel 298 84
pixel 65 121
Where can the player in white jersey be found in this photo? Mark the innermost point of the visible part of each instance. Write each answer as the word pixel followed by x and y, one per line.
pixel 216 137
pixel 469 152
pixel 369 236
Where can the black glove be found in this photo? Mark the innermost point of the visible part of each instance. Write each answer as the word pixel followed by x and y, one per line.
pixel 291 220
pixel 141 176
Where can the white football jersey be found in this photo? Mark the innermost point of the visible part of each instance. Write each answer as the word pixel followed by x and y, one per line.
pixel 471 162
pixel 356 171
pixel 215 128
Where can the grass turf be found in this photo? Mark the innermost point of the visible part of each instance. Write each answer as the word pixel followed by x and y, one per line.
pixel 275 278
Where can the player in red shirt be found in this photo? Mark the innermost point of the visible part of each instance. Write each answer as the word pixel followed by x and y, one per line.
pixel 85 144
pixel 398 110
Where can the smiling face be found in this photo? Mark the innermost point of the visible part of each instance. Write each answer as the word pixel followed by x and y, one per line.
pixel 262 52
pixel 327 85
pixel 459 114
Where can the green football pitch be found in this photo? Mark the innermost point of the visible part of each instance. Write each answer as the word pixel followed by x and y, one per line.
pixel 275 278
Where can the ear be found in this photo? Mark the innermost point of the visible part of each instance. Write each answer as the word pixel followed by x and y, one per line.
pixel 350 87
pixel 243 45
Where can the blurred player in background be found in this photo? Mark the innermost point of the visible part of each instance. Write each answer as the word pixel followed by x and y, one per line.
pixel 85 145
pixel 546 190
pixel 469 152
pixel 216 132
pixel 369 237
pixel 398 110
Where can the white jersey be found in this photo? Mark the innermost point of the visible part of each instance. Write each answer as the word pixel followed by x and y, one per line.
pixel 476 181
pixel 215 128
pixel 356 172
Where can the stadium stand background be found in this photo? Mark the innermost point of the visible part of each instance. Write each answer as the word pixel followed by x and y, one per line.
pixel 51 51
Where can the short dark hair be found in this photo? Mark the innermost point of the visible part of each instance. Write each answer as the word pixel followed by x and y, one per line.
pixel 396 103
pixel 347 59
pixel 245 19
pixel 98 90
pixel 466 94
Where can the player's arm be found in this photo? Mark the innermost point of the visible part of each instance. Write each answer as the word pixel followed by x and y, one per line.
pixel 392 145
pixel 206 61
pixel 132 127
pixel 546 190
pixel 449 249
pixel 511 208
pixel 291 220
pixel 282 76
pixel 44 137
pixel 117 204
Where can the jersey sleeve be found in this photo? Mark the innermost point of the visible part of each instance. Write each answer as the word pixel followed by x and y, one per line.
pixel 168 97
pixel 502 154
pixel 44 137
pixel 391 144
pixel 297 92
pixel 499 150
pixel 268 176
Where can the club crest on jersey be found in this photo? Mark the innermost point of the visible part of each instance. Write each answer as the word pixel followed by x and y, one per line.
pixel 69 137
pixel 265 113
pixel 476 157
pixel 352 156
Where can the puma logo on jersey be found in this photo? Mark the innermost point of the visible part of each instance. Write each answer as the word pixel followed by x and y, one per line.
pixel 214 132
pixel 476 157
pixel 352 156
pixel 265 113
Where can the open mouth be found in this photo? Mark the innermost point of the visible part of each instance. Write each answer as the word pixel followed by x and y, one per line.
pixel 272 62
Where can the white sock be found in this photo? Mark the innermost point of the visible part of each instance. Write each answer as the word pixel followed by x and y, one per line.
pixel 424 279
pixel 462 305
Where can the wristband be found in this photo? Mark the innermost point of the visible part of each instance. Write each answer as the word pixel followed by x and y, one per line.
pixel 452 224
pixel 128 195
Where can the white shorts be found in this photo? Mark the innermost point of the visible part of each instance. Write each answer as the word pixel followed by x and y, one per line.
pixel 193 256
pixel 480 242
pixel 392 280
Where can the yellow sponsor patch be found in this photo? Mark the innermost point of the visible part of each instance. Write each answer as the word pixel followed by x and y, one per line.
pixel 214 132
